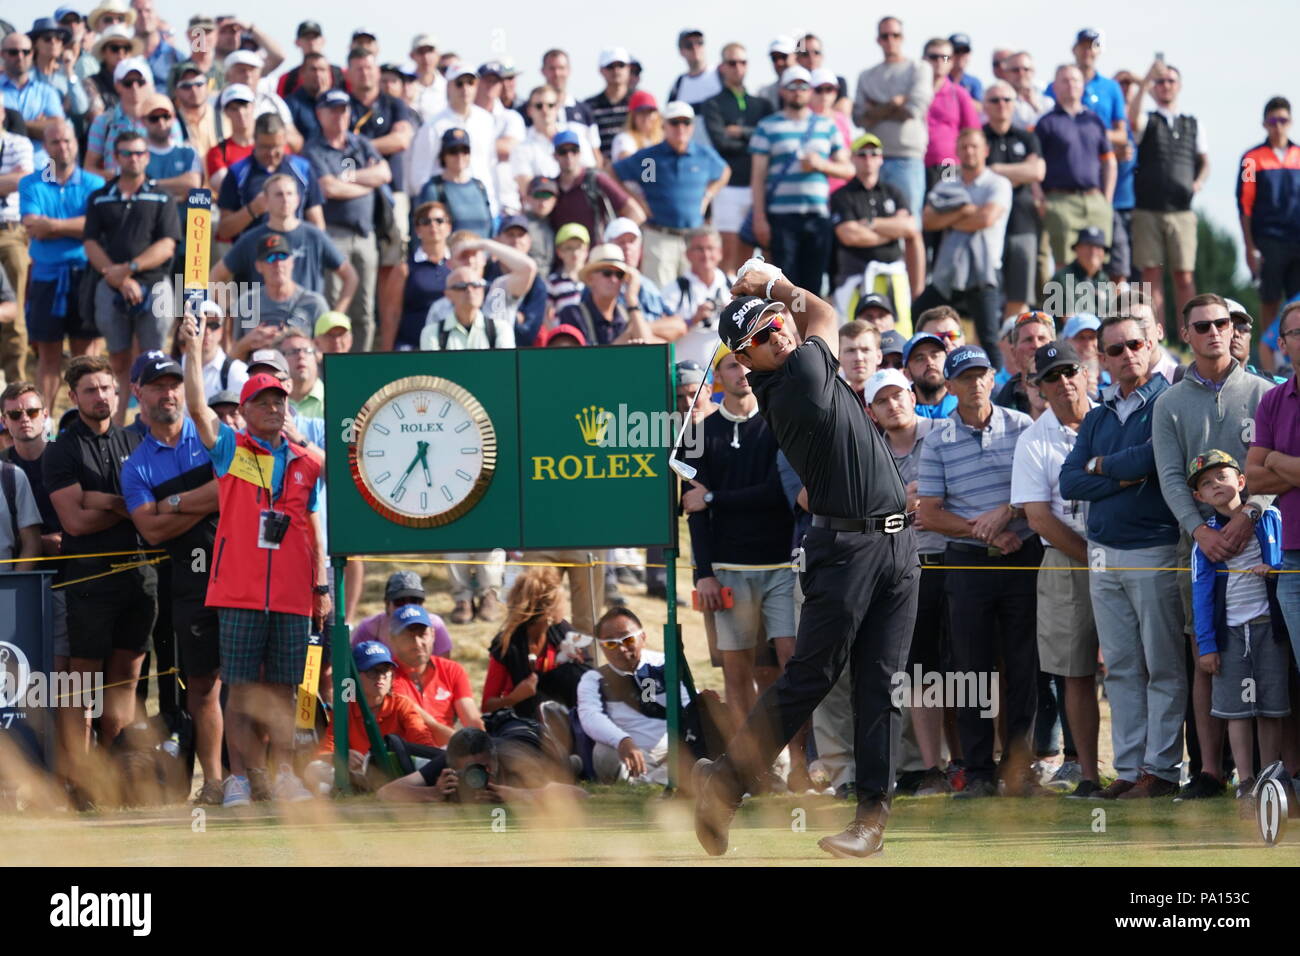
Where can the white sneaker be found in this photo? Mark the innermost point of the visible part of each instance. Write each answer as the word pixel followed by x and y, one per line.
pixel 288 788
pixel 1067 777
pixel 236 792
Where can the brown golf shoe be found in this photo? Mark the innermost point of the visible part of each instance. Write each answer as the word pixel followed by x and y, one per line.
pixel 1149 785
pixel 490 608
pixel 463 613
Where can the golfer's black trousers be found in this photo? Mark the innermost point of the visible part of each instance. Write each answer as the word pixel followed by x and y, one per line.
pixel 859 608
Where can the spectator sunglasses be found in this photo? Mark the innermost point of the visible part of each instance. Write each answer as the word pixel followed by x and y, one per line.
pixel 1203 326
pixel 628 641
pixel 16 414
pixel 1064 371
pixel 1133 345
pixel 463 286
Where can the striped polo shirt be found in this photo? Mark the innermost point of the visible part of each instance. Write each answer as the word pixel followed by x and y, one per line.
pixel 970 469
pixel 780 139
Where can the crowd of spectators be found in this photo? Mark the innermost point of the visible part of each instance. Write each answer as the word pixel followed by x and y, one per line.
pixel 1063 460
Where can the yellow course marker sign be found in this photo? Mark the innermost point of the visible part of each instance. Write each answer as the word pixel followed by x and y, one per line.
pixel 198 247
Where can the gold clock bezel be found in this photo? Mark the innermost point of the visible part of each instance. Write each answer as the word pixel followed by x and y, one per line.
pixel 478 415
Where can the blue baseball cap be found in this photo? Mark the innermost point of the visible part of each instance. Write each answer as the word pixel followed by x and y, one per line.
pixel 370 654
pixel 917 339
pixel 1081 322
pixel 512 222
pixel 146 359
pixel 566 137
pixel 454 138
pixel 966 357
pixel 405 616
pixel 333 98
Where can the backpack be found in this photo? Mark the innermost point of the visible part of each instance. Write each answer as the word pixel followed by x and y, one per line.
pixel 225 372
pixel 489 326
pixel 602 210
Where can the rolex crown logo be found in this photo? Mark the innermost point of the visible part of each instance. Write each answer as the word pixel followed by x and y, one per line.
pixel 593 422
pixel 421 405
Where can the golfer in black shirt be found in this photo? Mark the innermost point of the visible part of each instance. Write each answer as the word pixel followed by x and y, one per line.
pixel 861 566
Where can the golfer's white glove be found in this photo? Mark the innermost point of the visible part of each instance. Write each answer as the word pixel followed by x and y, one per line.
pixel 756 265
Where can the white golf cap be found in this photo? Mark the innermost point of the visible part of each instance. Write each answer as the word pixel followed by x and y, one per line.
pixel 621 227
pixel 883 379
pixel 793 74
pixel 242 58
pixel 237 93
pixel 132 64
pixel 781 44
pixel 423 39
pixel 208 307
pixel 678 109
pixel 614 55
pixel 822 77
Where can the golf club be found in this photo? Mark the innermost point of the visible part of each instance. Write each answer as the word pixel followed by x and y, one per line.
pixel 684 471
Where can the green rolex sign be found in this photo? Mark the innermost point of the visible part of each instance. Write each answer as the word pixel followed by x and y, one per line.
pixel 522 449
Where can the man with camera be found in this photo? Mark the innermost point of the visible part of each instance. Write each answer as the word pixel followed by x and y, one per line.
pixel 268 578
pixel 477 768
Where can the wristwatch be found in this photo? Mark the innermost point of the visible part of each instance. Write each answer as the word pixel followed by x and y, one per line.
pixel 133 266
pixel 175 502
pixel 320 589
pixel 1093 462
pixel 708 497
pixel 1253 513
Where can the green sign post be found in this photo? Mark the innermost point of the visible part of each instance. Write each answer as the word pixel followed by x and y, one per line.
pixel 528 449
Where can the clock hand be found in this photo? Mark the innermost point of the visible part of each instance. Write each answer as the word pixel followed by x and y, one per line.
pixel 406 474
pixel 424 462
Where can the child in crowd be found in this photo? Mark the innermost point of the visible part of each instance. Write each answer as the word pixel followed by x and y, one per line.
pixel 563 287
pixel 1240 635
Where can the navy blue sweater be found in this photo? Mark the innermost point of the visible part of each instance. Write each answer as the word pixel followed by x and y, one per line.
pixel 1133 516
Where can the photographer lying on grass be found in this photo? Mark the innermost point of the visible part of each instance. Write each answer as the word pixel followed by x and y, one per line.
pixel 478 769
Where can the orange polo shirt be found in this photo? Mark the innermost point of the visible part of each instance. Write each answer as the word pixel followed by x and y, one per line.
pixel 396 715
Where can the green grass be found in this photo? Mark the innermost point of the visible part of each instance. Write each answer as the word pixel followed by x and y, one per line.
pixel 617 826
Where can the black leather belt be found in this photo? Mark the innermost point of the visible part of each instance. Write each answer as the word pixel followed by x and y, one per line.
pixel 888 524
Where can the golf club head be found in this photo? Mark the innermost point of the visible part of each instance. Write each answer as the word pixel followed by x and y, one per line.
pixel 684 471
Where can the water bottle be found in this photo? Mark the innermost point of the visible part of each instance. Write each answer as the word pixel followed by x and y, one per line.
pixel 171 746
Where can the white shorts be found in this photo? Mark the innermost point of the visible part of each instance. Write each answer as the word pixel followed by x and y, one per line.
pixel 730 207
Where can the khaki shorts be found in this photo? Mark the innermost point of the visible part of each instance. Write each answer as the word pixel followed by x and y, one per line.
pixel 762 600
pixel 1164 239
pixel 392 253
pixel 1067 635
pixel 1068 213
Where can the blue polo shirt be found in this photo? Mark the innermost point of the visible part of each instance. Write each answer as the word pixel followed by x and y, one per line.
pixel 35 100
pixel 154 464
pixel 245 178
pixel 37 196
pixel 357 215
pixel 947 405
pixel 970 469
pixel 1104 97
pixel 674 183
pixel 1072 147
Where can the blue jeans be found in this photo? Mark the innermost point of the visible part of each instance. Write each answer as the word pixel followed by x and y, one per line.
pixel 908 176
pixel 801 248
pixel 1288 595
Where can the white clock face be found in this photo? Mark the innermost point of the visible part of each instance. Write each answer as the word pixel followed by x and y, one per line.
pixel 425 451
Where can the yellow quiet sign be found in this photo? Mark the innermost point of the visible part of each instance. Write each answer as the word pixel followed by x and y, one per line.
pixel 198 246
